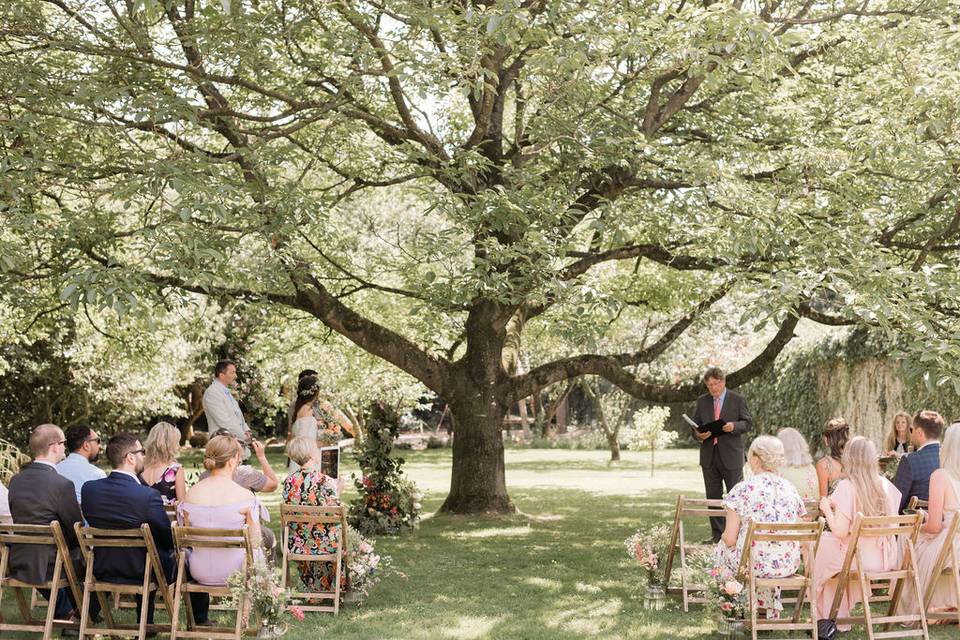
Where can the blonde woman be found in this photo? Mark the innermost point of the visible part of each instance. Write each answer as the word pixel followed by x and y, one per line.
pixel 830 468
pixel 897 442
pixel 765 497
pixel 161 471
pixel 861 490
pixel 944 507
pixel 798 466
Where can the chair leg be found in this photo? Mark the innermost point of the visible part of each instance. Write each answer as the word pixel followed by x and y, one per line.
pixel 336 577
pixel 52 604
pixel 683 571
pixel 915 583
pixel 85 604
pixel 753 601
pixel 22 605
pixel 241 611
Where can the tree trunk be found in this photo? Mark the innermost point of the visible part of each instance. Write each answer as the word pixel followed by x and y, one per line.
pixel 477 481
pixel 614 443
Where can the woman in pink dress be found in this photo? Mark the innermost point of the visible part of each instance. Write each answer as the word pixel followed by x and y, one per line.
pixel 943 509
pixel 861 490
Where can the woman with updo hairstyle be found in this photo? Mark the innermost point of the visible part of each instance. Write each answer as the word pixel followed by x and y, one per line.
pixel 308 486
pixel 862 490
pixel 830 467
pixel 217 502
pixel 764 497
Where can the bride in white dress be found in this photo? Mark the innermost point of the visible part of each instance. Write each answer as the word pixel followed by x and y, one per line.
pixel 305 424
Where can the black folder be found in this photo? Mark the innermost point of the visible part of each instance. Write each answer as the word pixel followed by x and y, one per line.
pixel 714 428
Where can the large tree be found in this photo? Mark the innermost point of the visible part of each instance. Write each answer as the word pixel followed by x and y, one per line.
pixel 546 158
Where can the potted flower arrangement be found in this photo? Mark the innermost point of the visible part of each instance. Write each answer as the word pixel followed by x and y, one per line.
pixel 648 547
pixel 725 592
pixel 268 602
pixel 367 567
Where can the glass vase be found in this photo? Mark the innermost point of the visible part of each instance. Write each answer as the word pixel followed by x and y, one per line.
pixel 731 628
pixel 272 631
pixel 655 599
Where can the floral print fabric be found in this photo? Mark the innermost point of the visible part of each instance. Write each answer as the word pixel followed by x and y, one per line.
pixel 765 497
pixel 309 487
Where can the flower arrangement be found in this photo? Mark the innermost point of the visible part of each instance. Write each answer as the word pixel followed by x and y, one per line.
pixel 267 600
pixel 388 502
pixel 723 588
pixel 649 546
pixel 367 567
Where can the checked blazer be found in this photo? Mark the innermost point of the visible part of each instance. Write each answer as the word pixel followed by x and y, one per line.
pixel 913 474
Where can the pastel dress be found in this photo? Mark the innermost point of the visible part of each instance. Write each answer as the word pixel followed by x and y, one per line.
pixel 765 497
pixel 305 427
pixel 928 549
pixel 309 487
pixel 167 484
pixel 879 554
pixel 215 566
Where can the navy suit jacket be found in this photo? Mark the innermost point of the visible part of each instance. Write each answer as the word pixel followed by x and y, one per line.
pixel 913 474
pixel 119 501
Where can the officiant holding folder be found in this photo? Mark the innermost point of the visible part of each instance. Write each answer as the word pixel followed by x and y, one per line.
pixel 721 448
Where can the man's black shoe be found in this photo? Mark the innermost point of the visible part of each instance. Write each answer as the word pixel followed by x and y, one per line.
pixel 710 541
pixel 70 633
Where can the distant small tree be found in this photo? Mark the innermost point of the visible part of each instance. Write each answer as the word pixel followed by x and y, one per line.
pixel 648 431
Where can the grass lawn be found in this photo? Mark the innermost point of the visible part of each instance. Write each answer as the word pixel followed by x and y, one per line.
pixel 558 569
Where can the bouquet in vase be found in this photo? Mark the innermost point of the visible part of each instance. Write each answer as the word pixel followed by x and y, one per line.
pixel 723 588
pixel 649 547
pixel 367 567
pixel 262 589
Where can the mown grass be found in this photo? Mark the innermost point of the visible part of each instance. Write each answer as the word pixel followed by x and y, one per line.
pixel 555 570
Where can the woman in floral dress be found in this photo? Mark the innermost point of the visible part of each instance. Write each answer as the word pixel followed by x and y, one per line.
pixel 307 486
pixel 765 497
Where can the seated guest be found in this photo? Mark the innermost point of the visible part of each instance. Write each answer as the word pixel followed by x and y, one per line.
pixel 5 517
pixel 307 486
pixel 217 502
pixel 161 471
pixel 897 443
pixel 764 497
pixel 39 495
pixel 83 443
pixel 829 468
pixel 913 474
pixel 944 507
pixel 798 466
pixel 121 501
pixel 862 490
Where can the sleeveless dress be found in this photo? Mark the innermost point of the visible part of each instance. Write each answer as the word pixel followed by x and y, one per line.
pixel 215 566
pixel 305 427
pixel 928 548
pixel 167 484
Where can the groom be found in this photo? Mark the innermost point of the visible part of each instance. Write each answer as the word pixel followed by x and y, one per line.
pixel 721 457
pixel 222 409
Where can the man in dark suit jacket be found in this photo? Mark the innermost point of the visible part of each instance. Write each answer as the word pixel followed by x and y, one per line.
pixel 120 501
pixel 913 474
pixel 40 495
pixel 721 458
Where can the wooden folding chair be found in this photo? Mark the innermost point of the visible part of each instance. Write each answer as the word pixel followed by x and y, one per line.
pixel 64 574
pixel 691 592
pixel 947 564
pixel 171 510
pixel 903 530
pixel 805 534
pixel 91 539
pixel 917 503
pixel 308 516
pixel 196 538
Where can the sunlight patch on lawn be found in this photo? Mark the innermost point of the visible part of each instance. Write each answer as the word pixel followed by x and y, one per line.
pixel 587 617
pixel 543 582
pixel 583 587
pixel 491 532
pixel 471 627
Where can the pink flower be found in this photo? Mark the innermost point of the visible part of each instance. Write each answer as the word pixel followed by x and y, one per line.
pixel 726 606
pixel 297 613
pixel 732 587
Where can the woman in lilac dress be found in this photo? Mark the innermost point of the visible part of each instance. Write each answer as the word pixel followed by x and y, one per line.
pixel 217 502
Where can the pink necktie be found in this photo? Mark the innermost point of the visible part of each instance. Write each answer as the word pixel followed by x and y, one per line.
pixel 716 414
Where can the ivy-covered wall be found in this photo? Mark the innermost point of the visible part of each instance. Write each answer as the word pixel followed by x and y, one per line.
pixel 850 377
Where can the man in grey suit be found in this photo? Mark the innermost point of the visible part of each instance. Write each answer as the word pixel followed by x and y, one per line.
pixel 221 408
pixel 40 495
pixel 721 457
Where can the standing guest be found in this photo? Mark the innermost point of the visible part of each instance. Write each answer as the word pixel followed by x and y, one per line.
pixel 798 467
pixel 829 468
pixel 308 486
pixel 721 458
pixel 221 408
pixel 161 471
pixel 121 501
pixel 79 467
pixel 897 442
pixel 861 490
pixel 765 497
pixel 39 495
pixel 913 473
pixel 943 509
pixel 217 502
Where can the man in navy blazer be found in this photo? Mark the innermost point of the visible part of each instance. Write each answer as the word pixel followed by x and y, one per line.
pixel 913 474
pixel 121 501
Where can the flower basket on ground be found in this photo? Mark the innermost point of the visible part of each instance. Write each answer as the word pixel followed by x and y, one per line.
pixel 268 602
pixel 649 546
